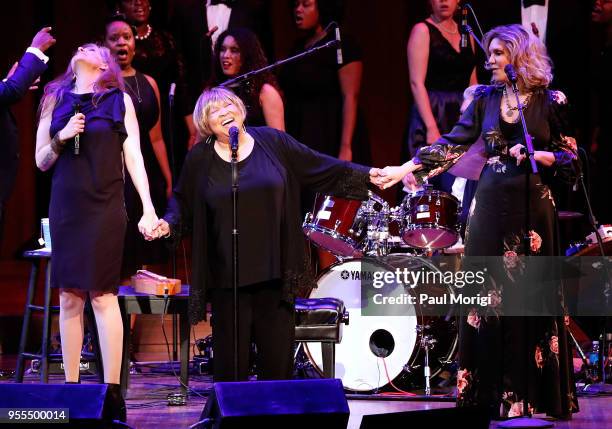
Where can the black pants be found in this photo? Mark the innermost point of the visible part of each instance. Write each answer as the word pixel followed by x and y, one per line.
pixel 263 318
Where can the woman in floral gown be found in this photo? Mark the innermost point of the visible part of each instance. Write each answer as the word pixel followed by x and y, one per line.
pixel 502 360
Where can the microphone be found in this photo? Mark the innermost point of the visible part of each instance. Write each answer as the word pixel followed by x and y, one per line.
pixel 171 94
pixel 233 135
pixel 464 23
pixel 77 138
pixel 511 73
pixel 339 59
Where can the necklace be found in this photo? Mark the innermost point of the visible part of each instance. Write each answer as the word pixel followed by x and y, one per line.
pixel 441 27
pixel 146 35
pixel 512 108
pixel 137 92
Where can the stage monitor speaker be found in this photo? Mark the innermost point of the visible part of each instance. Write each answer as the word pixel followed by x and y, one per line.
pixel 472 418
pixel 86 403
pixel 302 404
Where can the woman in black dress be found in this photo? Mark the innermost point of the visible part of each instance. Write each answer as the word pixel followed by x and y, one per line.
pixel 322 96
pixel 273 264
pixel 502 360
pixel 142 89
pixel 440 70
pixel 157 56
pixel 87 215
pixel 238 51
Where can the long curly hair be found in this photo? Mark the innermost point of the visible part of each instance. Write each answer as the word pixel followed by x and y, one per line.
pixel 252 57
pixel 527 54
pixel 108 79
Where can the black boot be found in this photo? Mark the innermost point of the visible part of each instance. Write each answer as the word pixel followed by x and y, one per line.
pixel 116 404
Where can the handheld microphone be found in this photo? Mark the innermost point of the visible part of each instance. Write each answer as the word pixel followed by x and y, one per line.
pixel 339 59
pixel 171 94
pixel 233 135
pixel 77 138
pixel 464 23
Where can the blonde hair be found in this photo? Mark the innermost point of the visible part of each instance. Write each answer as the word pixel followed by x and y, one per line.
pixel 526 53
pixel 108 79
pixel 210 99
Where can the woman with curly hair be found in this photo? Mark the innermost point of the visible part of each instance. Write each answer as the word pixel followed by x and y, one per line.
pixel 238 51
pixel 504 361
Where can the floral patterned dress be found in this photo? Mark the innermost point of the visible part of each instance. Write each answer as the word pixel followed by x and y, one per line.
pixel 504 359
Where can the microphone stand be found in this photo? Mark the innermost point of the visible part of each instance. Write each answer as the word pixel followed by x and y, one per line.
pixel 173 177
pixel 524 421
pixel 231 83
pixel 234 167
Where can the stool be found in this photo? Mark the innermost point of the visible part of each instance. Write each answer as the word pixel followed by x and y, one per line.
pixel 38 258
pixel 132 302
pixel 321 320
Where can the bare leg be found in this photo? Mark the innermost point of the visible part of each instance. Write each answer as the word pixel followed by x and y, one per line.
pixel 72 303
pixel 110 333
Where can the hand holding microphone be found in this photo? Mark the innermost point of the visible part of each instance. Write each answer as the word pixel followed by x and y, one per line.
pixel 75 126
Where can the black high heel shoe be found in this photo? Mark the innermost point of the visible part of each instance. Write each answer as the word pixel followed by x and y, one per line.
pixel 117 409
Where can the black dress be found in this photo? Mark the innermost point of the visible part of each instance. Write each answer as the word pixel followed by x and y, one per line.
pixel 87 213
pixel 313 108
pixel 504 359
pixel 448 75
pixel 137 251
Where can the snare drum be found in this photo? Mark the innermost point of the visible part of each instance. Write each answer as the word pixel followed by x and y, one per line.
pixel 430 219
pixel 336 225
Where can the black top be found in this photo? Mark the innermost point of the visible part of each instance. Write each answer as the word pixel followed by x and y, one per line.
pixel 313 108
pixel 297 166
pixel 158 57
pixel 260 199
pixel 447 69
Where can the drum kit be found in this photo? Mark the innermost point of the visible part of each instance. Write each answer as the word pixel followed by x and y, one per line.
pixel 377 350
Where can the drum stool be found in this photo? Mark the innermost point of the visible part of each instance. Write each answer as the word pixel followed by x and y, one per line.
pixel 320 320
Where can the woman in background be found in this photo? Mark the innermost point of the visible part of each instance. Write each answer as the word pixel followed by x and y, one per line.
pixel 143 90
pixel 440 70
pixel 238 51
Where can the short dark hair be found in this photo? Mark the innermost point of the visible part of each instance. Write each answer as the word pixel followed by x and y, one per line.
pixel 117 17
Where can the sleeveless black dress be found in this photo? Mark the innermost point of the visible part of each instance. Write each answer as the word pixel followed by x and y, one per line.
pixel 87 213
pixel 137 251
pixel 448 75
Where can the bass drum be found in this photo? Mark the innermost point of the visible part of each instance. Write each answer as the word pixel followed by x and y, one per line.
pixel 396 337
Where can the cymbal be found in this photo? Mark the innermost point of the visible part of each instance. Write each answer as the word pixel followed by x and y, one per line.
pixel 567 215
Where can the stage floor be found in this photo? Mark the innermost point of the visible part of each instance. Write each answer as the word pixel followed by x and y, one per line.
pixel 148 406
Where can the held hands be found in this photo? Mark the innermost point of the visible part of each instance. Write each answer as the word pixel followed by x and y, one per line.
pixel 160 229
pixel 75 125
pixel 148 224
pixel 43 40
